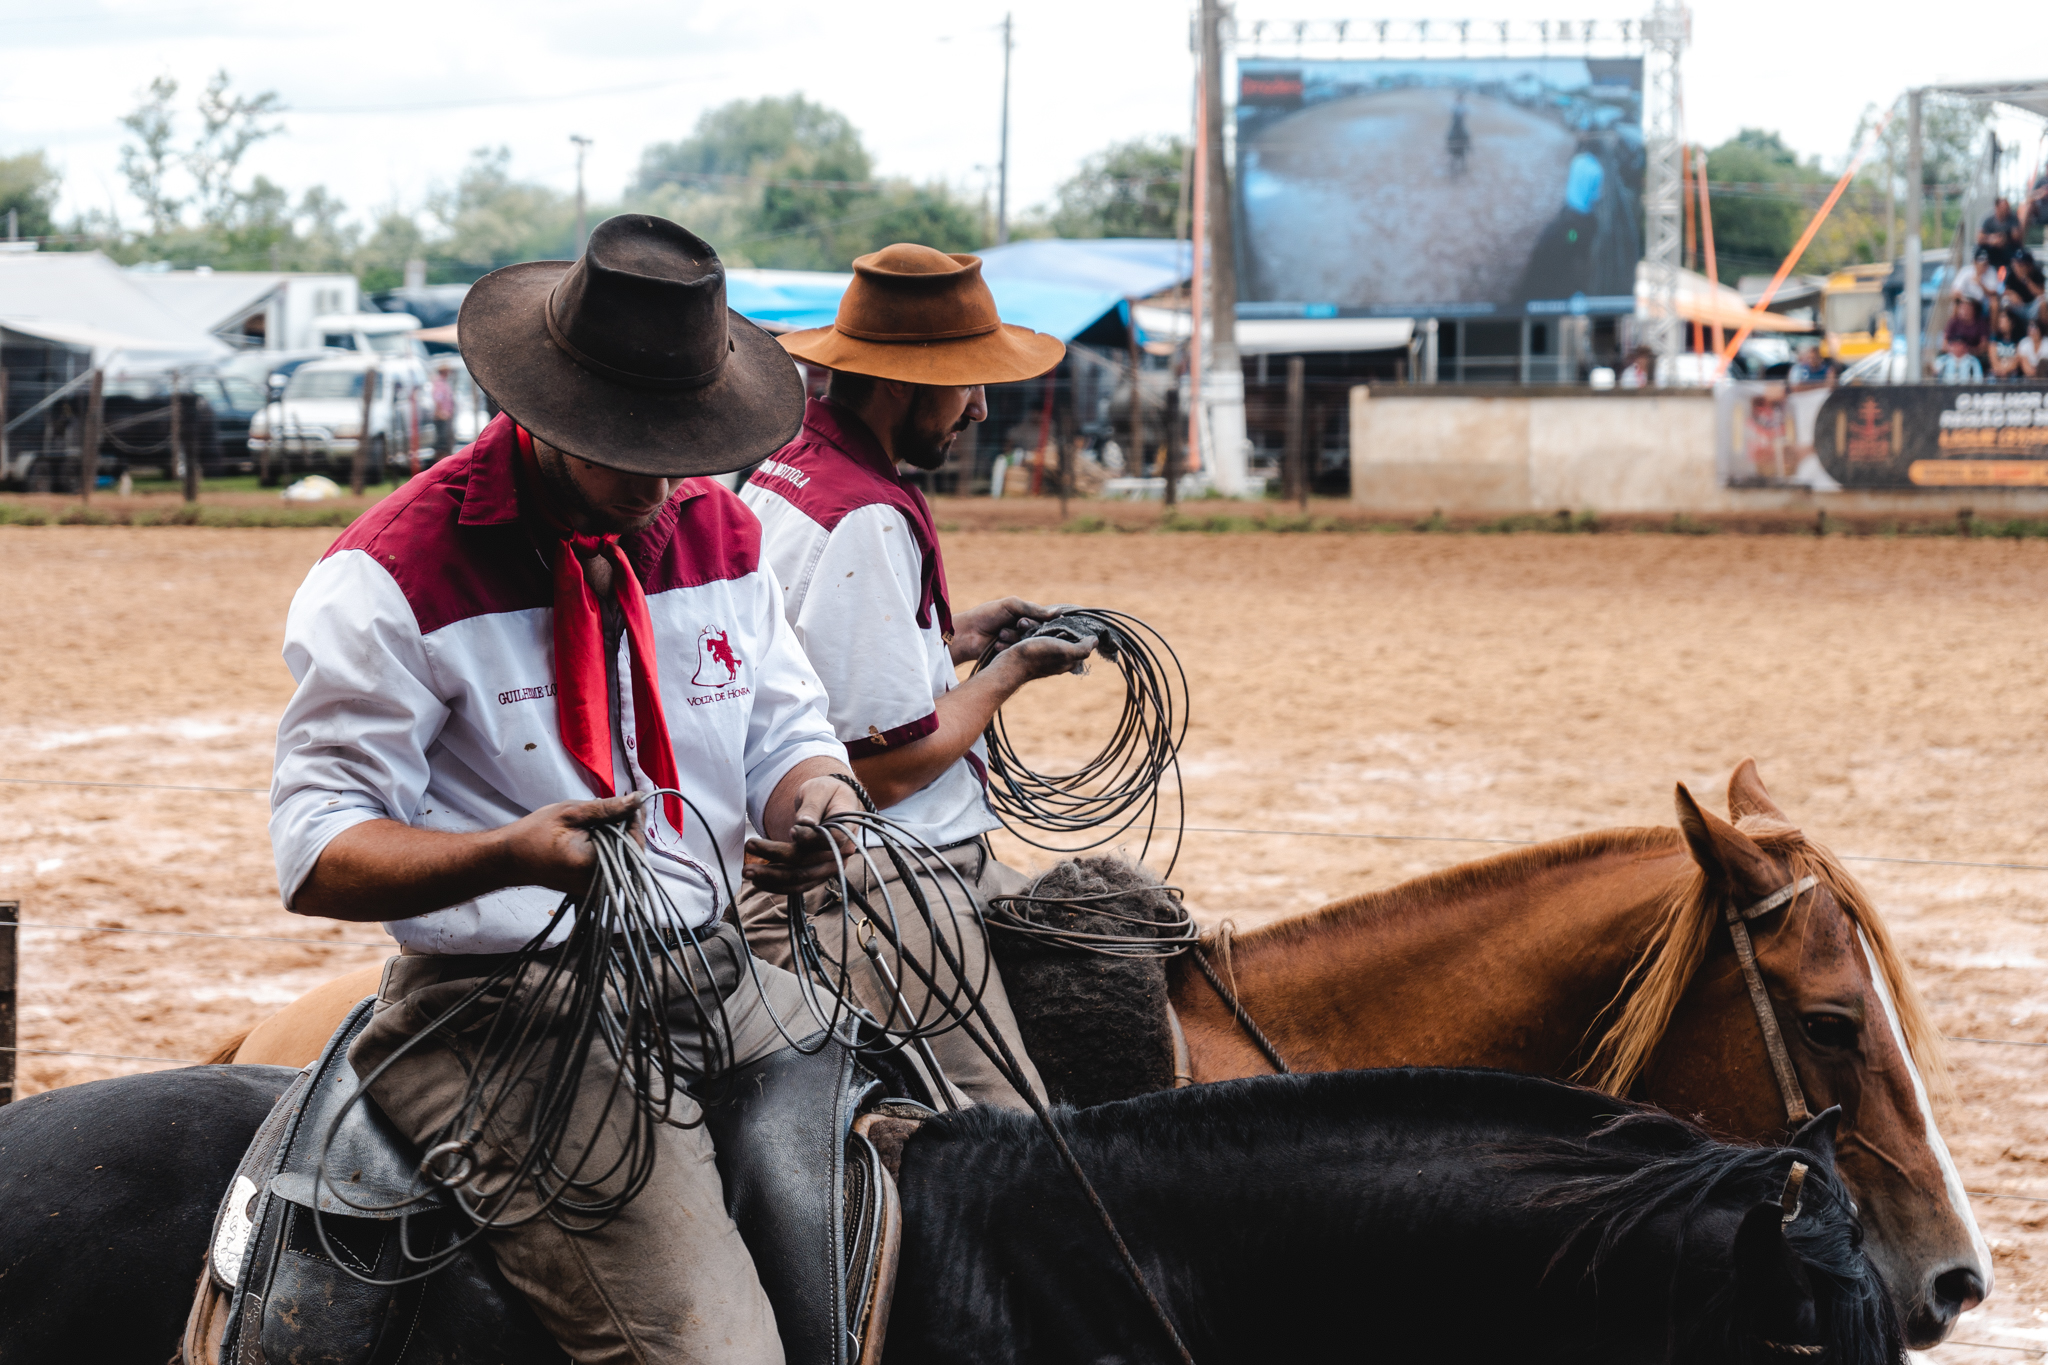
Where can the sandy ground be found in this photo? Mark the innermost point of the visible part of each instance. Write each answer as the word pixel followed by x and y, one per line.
pixel 1502 686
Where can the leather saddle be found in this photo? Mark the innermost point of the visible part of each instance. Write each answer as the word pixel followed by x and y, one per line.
pixel 812 1194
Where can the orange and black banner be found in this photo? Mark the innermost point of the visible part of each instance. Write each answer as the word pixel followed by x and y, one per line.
pixel 1935 436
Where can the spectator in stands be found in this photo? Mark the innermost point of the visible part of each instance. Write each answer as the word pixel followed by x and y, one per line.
pixel 1640 372
pixel 2005 349
pixel 2023 279
pixel 1955 365
pixel 1979 282
pixel 2034 351
pixel 1811 370
pixel 1966 325
pixel 2035 212
pixel 2000 234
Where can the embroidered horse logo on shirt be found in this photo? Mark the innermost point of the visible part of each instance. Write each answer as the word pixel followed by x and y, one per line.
pixel 717 665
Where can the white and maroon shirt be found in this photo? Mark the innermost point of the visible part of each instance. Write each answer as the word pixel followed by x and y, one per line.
pixel 423 645
pixel 863 583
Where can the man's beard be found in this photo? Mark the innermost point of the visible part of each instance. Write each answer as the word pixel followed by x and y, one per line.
pixel 574 506
pixel 917 445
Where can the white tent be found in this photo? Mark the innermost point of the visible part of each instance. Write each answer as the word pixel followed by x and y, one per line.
pixel 83 298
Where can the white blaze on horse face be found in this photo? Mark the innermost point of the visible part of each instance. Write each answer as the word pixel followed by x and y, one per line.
pixel 1958 1200
pixel 231 1241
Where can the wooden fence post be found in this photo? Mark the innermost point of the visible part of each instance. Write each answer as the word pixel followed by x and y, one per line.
pixel 1173 431
pixel 1296 481
pixel 10 915
pixel 89 443
pixel 360 461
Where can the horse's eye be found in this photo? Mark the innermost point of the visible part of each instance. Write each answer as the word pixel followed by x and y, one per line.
pixel 1830 1030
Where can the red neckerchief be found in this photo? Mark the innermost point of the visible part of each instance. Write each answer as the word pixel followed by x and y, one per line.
pixel 582 701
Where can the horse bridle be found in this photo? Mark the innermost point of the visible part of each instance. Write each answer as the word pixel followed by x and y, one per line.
pixel 1738 919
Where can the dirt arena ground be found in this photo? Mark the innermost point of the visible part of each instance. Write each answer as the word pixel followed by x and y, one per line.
pixel 1503 686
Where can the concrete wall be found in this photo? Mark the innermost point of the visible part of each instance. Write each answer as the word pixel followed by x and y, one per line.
pixel 1469 451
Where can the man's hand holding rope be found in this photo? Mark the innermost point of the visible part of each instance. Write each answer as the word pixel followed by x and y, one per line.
pixel 803 857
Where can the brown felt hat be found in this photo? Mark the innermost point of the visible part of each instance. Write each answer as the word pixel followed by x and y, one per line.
pixel 917 314
pixel 629 357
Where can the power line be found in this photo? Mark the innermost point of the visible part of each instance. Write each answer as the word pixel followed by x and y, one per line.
pixel 131 786
pixel 107 1056
pixel 1192 829
pixel 195 933
pixel 484 102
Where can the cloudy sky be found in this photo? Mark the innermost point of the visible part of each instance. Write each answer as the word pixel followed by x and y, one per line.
pixel 389 97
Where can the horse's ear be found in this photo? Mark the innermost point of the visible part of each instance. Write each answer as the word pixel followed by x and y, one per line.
pixel 1746 794
pixel 1771 1285
pixel 1816 1136
pixel 1729 857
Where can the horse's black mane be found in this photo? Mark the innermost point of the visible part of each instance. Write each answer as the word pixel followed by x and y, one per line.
pixel 1632 1165
pixel 1647 1162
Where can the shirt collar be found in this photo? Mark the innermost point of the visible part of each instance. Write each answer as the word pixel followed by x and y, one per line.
pixel 843 429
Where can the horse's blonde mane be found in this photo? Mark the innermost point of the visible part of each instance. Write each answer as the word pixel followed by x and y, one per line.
pixel 1687 917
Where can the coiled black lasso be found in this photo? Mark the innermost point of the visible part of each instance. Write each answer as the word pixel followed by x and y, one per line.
pixel 530 1028
pixel 1120 787
pixel 609 984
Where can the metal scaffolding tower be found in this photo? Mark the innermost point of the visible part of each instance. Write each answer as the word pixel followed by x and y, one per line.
pixel 1665 31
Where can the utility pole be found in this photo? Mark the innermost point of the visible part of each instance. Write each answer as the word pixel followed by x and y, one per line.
pixel 582 221
pixel 1915 191
pixel 1666 30
pixel 1223 389
pixel 1003 159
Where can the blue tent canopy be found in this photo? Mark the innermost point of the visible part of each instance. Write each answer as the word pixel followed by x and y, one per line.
pixel 1058 286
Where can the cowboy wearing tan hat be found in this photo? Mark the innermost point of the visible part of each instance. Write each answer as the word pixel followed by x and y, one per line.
pixel 512 648
pixel 853 544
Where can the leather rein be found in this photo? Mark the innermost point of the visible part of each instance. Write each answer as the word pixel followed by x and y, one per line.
pixel 1737 919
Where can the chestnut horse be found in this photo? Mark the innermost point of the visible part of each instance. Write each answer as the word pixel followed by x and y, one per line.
pixel 1601 958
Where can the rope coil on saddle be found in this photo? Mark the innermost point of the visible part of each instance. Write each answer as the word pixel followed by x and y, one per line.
pixel 612 982
pixel 870 903
pixel 1118 788
pixel 531 1028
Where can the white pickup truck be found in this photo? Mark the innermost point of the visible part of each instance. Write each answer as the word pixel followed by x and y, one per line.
pixel 318 424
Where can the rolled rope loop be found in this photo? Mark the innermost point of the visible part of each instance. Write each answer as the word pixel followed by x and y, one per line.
pixel 1120 786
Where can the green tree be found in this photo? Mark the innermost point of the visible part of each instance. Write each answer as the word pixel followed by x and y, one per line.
pixel 229 125
pixel 786 183
pixel 28 188
pixel 491 219
pixel 147 162
pixel 1761 208
pixel 1128 189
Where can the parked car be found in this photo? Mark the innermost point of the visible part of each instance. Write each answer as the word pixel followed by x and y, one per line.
pixel 135 427
pixel 318 425
pixel 235 401
pixel 270 369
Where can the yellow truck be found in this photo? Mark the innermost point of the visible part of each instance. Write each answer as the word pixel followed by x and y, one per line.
pixel 1852 315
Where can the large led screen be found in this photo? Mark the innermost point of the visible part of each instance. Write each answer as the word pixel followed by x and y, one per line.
pixel 1445 188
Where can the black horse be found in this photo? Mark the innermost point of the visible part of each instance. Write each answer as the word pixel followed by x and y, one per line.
pixel 1445 1215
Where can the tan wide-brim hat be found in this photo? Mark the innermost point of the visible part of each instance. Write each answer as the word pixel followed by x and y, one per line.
pixel 629 357
pixel 922 316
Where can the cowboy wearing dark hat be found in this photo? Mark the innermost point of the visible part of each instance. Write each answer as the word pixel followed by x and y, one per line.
pixel 916 339
pixel 503 653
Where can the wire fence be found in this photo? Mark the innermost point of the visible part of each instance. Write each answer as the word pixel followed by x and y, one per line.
pixel 64 926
